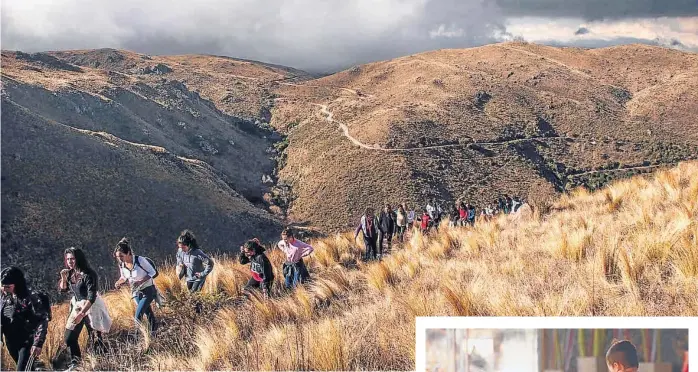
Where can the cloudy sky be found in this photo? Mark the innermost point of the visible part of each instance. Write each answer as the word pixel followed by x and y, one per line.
pixel 329 35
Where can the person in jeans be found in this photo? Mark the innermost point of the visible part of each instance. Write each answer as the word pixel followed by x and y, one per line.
pixel 411 217
pixel 25 317
pixel 294 269
pixel 82 280
pixel 138 273
pixel 369 226
pixel 192 262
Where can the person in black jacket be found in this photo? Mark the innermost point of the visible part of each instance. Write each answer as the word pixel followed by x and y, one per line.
pixel 252 252
pixel 25 317
pixel 386 224
pixel 82 281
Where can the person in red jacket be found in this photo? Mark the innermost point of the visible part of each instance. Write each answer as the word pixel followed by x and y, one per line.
pixel 424 222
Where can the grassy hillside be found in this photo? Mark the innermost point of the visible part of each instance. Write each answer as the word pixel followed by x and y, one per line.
pixel 514 118
pixel 98 144
pixel 629 249
pixel 63 186
pixel 202 107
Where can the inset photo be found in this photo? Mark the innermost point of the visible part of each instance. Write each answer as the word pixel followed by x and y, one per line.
pixel 553 344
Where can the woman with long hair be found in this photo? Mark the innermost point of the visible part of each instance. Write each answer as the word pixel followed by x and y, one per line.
pixel 138 272
pixel 25 317
pixel 79 278
pixel 192 262
pixel 252 252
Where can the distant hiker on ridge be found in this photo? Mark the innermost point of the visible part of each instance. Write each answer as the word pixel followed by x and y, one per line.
pixel 401 223
pixel 387 228
pixel 453 216
pixel 369 226
pixel 294 269
pixel 411 217
pixel 424 222
pixel 462 214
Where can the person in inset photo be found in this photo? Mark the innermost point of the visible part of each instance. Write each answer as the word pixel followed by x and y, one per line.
pixel 622 357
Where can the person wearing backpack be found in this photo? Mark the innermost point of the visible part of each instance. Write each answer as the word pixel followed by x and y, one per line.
pixel 138 272
pixel 252 252
pixel 83 281
pixel 192 262
pixel 25 317
pixel 369 226
pixel 471 215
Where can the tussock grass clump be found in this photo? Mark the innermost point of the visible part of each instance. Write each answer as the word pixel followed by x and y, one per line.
pixel 630 249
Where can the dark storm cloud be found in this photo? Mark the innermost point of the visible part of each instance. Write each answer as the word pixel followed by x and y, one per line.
pixel 315 35
pixel 600 9
pixel 308 34
pixel 581 31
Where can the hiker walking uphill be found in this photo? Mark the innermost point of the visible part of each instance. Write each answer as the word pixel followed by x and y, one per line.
pixel 369 227
pixel 192 262
pixel 462 214
pixel 424 222
pixel 386 224
pixel 252 252
pixel 471 215
pixel 138 272
pixel 401 223
pixel 453 216
pixel 82 280
pixel 25 317
pixel 294 269
pixel 411 217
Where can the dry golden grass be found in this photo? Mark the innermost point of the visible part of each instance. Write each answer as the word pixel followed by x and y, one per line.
pixel 628 250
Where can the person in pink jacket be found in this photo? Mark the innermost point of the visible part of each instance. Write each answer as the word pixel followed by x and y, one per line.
pixel 294 268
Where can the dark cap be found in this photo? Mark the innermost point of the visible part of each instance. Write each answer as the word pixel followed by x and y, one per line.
pixel 12 275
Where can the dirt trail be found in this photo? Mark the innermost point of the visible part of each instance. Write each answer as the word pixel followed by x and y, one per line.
pixel 330 118
pixel 623 169
pixel 570 68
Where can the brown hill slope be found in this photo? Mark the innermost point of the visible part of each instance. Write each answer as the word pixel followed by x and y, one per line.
pixel 63 186
pixel 506 118
pixel 209 108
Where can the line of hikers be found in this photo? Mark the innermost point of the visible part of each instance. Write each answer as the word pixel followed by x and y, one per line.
pixel 26 313
pixel 381 228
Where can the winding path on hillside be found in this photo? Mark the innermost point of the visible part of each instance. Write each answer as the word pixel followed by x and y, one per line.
pixel 345 130
pixel 622 169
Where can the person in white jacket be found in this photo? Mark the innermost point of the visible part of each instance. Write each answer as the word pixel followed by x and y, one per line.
pixel 138 273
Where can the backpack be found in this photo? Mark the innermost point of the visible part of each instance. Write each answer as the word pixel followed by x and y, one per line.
pixel 44 301
pixel 138 262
